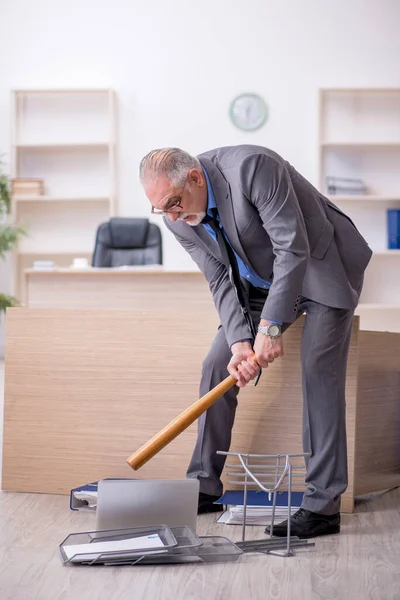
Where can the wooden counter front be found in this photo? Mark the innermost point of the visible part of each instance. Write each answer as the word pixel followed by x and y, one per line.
pixel 85 388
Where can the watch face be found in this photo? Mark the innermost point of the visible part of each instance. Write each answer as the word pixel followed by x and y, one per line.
pixel 273 330
pixel 248 112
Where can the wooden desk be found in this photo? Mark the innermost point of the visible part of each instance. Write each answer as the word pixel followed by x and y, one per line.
pixel 85 388
pixel 140 288
pixel 137 288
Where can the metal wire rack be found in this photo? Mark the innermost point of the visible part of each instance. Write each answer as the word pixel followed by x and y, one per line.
pixel 270 473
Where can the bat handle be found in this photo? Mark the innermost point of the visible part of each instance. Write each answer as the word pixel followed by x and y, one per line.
pixel 179 424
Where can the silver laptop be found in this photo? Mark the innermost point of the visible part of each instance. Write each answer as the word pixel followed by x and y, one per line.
pixel 136 502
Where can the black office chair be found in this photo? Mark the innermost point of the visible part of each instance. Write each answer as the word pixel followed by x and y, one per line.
pixel 126 242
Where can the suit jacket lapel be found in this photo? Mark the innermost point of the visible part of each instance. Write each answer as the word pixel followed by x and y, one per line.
pixel 223 199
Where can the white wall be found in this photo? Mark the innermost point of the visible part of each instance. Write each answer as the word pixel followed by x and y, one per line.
pixel 176 65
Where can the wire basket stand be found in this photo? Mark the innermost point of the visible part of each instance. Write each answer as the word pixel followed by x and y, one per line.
pixel 270 473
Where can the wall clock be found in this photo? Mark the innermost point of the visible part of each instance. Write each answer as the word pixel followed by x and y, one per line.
pixel 248 111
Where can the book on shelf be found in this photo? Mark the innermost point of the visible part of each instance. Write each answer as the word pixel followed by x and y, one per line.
pixel 393 229
pixel 27 187
pixel 345 185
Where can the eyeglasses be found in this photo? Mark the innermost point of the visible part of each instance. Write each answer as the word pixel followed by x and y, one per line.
pixel 173 205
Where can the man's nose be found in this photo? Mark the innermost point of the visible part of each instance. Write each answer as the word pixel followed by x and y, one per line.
pixel 173 216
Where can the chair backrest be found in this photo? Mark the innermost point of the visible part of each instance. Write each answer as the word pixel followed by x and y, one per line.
pixel 126 242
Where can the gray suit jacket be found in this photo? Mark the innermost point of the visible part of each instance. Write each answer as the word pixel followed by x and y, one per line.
pixel 283 229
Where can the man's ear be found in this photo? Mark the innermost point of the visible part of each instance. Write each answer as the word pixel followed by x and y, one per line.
pixel 195 177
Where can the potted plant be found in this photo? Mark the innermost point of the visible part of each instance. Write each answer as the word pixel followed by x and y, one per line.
pixel 9 233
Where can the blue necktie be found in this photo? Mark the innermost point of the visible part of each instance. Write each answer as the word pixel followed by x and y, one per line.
pixel 234 275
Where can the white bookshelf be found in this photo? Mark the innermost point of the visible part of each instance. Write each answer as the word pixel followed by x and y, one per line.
pixel 367 198
pixel 360 138
pixel 68 139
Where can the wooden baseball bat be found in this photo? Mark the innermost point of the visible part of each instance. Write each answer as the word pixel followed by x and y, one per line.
pixel 175 427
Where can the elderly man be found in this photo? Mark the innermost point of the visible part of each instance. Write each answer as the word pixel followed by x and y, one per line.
pixel 271 248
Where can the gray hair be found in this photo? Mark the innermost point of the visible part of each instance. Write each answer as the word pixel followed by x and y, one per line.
pixel 173 163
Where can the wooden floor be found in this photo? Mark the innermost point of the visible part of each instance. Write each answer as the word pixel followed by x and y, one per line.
pixel 361 563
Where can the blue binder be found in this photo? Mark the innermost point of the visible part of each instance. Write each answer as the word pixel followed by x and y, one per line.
pixel 76 504
pixel 393 229
pixel 259 498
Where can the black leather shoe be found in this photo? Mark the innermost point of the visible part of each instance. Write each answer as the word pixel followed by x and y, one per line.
pixel 306 524
pixel 206 504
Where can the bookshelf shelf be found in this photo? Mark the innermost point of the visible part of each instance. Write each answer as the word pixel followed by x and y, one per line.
pixel 361 145
pixel 67 138
pixel 364 198
pixel 67 145
pixel 73 91
pixel 360 139
pixel 61 199
pixel 377 306
pixel 56 252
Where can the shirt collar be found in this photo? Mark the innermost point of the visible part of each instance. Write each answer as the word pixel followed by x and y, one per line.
pixel 210 196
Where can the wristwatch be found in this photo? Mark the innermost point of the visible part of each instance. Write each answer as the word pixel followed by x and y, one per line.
pixel 272 331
